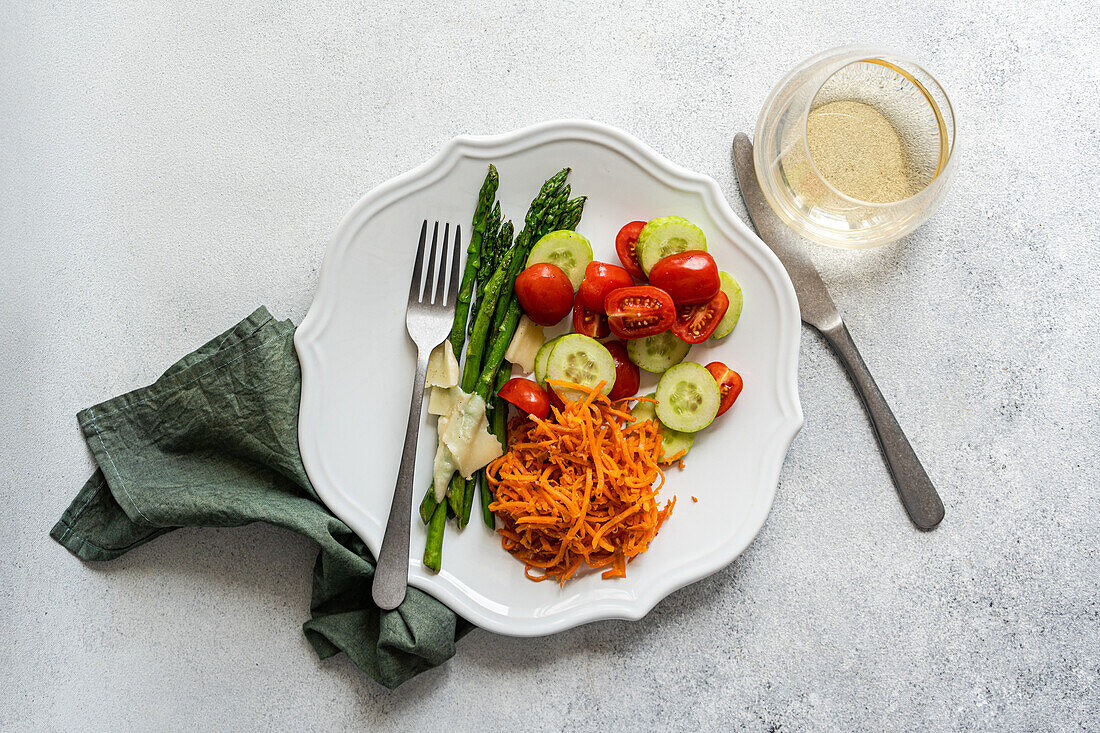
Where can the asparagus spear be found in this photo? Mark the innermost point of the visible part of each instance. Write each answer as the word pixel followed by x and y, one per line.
pixel 494 289
pixel 433 547
pixel 427 507
pixel 486 266
pixel 462 308
pixel 503 242
pixel 571 214
pixel 498 425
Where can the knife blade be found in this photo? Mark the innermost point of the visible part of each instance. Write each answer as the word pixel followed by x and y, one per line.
pixel 814 302
pixel 816 307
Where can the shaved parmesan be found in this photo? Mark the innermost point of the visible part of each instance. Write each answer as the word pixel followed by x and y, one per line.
pixel 442 367
pixel 442 399
pixel 466 434
pixel 525 345
pixel 442 470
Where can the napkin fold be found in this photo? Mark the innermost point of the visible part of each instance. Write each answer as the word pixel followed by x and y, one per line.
pixel 214 443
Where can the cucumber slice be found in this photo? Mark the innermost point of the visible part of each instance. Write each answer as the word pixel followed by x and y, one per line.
pixel 541 358
pixel 644 410
pixel 658 352
pixel 687 397
pixel 566 249
pixel 667 235
pixel 672 441
pixel 582 360
pixel 732 289
pixel 674 444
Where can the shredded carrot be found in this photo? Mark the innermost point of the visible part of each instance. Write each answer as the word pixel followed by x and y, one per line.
pixel 695 500
pixel 577 488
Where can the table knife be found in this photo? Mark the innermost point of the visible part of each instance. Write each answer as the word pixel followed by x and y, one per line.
pixel 817 309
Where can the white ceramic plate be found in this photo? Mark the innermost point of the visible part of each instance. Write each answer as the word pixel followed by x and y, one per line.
pixel 357 372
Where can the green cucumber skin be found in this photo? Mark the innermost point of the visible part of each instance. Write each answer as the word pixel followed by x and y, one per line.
pixel 575 245
pixel 653 240
pixel 732 289
pixel 707 390
pixel 679 439
pixel 576 342
pixel 645 410
pixel 541 357
pixel 674 441
pixel 637 350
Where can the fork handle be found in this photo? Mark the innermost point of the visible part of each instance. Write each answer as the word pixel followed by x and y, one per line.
pixel 915 489
pixel 391 574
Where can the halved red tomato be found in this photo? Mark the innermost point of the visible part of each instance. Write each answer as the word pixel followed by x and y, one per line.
pixel 695 323
pixel 589 322
pixel 626 373
pixel 626 246
pixel 729 384
pixel 639 311
pixel 689 277
pixel 600 279
pixel 527 396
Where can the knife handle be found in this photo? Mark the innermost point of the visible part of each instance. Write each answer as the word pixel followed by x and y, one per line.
pixel 917 493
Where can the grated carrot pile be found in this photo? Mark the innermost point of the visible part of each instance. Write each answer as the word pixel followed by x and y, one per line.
pixel 577 488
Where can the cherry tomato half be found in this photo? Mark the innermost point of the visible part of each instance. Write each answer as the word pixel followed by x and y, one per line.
pixel 527 396
pixel 589 322
pixel 545 293
pixel 695 323
pixel 689 277
pixel 729 384
pixel 639 311
pixel 626 373
pixel 600 279
pixel 626 246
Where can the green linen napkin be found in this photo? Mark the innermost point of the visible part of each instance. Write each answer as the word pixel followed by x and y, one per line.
pixel 214 443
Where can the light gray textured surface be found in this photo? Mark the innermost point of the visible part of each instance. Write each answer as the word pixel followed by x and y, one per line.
pixel 164 171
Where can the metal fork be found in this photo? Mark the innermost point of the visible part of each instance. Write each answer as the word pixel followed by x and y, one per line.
pixel 428 320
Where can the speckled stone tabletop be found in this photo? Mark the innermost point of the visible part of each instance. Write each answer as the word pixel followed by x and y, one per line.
pixel 167 169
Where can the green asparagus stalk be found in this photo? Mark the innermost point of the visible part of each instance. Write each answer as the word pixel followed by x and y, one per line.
pixel 503 243
pixel 500 410
pixel 489 245
pixel 496 427
pixel 427 507
pixel 456 494
pixel 433 548
pixel 465 291
pixel 488 249
pixel 494 289
pixel 498 424
pixel 571 214
pixel 539 206
pixel 485 265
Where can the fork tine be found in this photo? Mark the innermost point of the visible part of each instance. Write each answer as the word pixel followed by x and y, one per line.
pixel 441 280
pixel 418 265
pixel 452 285
pixel 429 279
